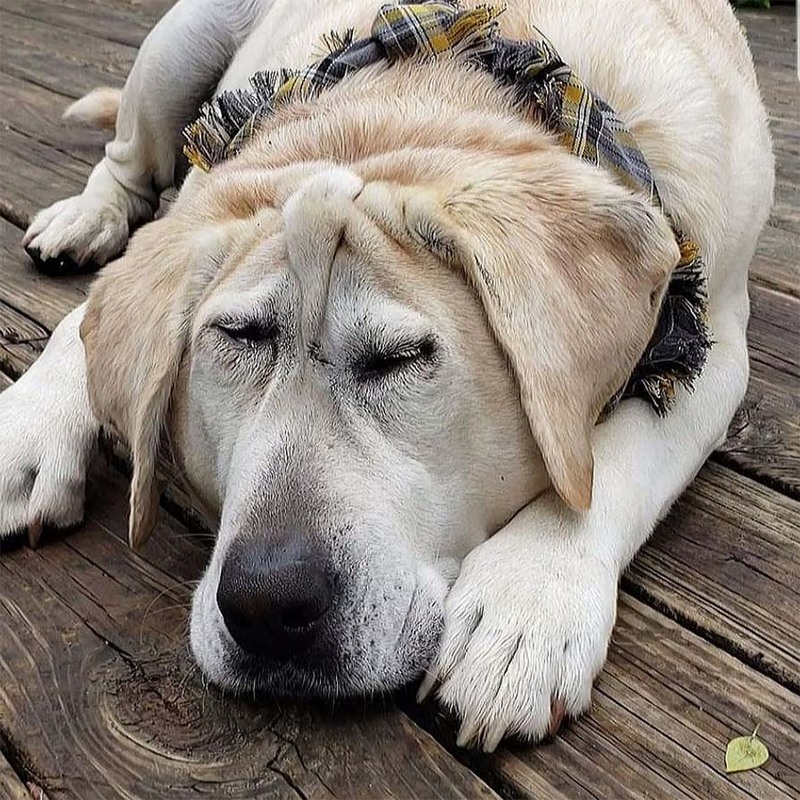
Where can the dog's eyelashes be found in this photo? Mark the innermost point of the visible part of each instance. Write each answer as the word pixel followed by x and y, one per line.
pixel 377 364
pixel 248 332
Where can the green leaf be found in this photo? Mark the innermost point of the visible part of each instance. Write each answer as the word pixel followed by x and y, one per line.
pixel 745 752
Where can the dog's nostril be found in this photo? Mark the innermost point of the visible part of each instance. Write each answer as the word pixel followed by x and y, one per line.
pixel 302 615
pixel 271 607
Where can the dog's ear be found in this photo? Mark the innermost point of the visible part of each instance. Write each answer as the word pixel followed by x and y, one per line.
pixel 134 332
pixel 570 268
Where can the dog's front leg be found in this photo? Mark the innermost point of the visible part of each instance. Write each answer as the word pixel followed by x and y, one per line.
pixel 530 616
pixel 47 437
pixel 177 68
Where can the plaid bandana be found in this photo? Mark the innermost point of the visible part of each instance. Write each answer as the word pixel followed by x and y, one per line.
pixel 545 88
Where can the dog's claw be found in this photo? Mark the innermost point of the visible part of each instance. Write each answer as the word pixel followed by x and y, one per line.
pixel 428 682
pixel 60 265
pixel 494 737
pixel 467 731
pixel 34 534
pixel 558 710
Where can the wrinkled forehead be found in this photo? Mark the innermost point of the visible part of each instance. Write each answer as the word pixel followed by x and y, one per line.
pixel 325 253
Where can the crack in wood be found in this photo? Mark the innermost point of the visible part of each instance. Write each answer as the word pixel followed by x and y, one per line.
pixel 286 778
pixel 754 660
pixel 18 760
pixel 730 461
pixel 49 144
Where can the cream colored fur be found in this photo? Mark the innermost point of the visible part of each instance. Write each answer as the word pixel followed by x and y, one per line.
pixel 98 109
pixel 420 198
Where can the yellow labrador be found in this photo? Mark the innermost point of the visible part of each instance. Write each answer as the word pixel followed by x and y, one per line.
pixel 402 457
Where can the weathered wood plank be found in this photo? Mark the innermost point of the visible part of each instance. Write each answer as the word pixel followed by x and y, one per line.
pixel 665 707
pixel 786 208
pixel 21 339
pixel 47 300
pixel 771 33
pixel 35 112
pixel 98 691
pixel 127 24
pixel 764 437
pixel 726 561
pixel 774 328
pixel 772 40
pixel 11 787
pixel 35 175
pixel 772 37
pixel 31 305
pixel 146 12
pixel 776 263
pixel 66 61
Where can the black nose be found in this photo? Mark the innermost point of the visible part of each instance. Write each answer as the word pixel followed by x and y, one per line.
pixel 273 601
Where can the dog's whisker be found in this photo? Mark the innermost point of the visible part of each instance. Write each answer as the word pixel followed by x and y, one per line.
pixel 163 593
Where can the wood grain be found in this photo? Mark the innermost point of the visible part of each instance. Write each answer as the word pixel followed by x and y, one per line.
pixel 773 42
pixel 726 562
pixel 764 437
pixel 776 263
pixel 143 12
pixel 125 23
pixel 68 62
pixel 34 176
pixel 21 339
pixel 47 300
pixel 35 113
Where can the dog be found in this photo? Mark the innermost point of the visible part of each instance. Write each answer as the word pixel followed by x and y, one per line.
pixel 379 340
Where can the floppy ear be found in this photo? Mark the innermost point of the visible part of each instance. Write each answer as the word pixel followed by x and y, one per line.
pixel 571 269
pixel 134 334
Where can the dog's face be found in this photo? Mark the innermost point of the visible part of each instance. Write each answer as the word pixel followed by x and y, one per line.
pixel 348 411
pixel 365 372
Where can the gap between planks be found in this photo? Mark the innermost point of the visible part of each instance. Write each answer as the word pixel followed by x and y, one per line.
pixel 11 785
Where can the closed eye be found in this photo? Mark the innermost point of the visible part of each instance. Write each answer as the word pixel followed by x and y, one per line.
pixel 380 363
pixel 248 332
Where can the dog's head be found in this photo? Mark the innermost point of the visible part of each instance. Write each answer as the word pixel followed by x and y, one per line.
pixel 364 372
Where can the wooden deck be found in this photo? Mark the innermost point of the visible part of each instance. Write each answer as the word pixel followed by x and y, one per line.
pixel 98 697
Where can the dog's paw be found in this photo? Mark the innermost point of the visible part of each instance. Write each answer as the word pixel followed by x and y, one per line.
pixel 88 229
pixel 527 628
pixel 47 437
pixel 75 232
pixel 46 450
